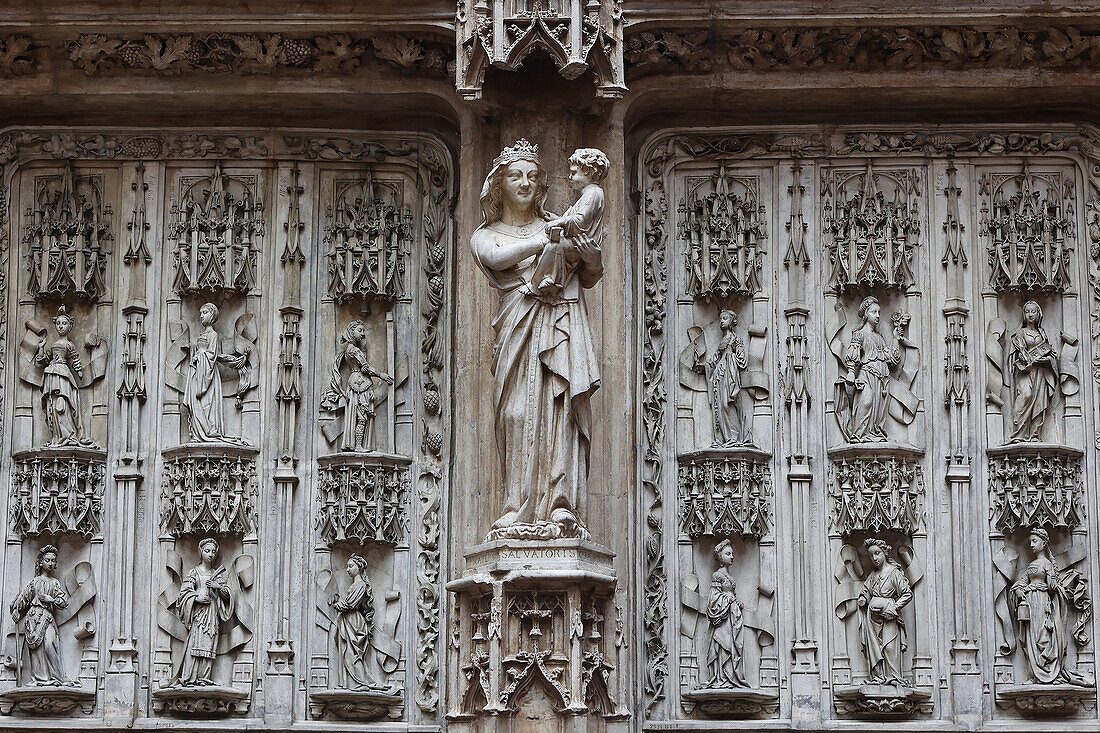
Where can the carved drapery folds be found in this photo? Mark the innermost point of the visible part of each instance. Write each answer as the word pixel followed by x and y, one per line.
pixel 577 35
pixel 67 237
pixel 871 222
pixel 217 233
pixel 724 229
pixel 209 490
pixel 57 492
pixel 1028 224
pixel 723 495
pixel 367 240
pixel 363 500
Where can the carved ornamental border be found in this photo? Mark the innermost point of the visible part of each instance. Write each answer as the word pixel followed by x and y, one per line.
pixel 433 163
pixel 659 156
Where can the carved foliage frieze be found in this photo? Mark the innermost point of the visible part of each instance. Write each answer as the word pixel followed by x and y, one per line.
pixel 862 49
pixel 250 53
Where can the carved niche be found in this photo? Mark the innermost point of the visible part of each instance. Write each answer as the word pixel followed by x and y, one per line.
pixel 578 35
pixel 216 233
pixel 367 240
pixel 871 224
pixel 724 229
pixel 44 657
pixel 67 236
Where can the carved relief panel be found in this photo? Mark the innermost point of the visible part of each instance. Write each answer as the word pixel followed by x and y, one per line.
pixel 61 309
pixel 920 269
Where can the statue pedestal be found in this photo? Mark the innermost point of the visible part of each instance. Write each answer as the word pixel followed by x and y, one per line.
pixel 537 614
pixel 1045 700
pixel 206 701
pixel 362 705
pixel 42 700
pixel 733 702
pixel 881 701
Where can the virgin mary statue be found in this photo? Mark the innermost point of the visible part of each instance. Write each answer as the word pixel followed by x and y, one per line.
pixel 544 365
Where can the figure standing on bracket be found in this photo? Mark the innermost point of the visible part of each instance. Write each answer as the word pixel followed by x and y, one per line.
pixel 1039 598
pixel 725 656
pixel 354 628
pixel 61 368
pixel 863 392
pixel 581 224
pixel 1033 364
pixel 544 368
pixel 34 611
pixel 202 395
pixel 723 370
pixel 357 395
pixel 885 592
pixel 205 603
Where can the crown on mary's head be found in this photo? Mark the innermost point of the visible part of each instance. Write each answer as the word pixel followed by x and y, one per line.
pixel 520 150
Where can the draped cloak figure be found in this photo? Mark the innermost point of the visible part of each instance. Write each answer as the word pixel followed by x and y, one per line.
pixel 544 363
pixel 886 591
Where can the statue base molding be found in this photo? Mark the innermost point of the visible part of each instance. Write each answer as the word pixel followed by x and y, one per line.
pixel 362 705
pixel 538 614
pixel 208 701
pixel 1046 700
pixel 47 700
pixel 733 702
pixel 882 701
pixel 553 561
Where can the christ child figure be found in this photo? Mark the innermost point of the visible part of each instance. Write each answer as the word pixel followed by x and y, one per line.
pixel 580 228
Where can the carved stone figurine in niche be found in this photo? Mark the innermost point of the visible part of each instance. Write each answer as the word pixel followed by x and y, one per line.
pixel 203 392
pixel 1033 366
pixel 545 368
pixel 725 658
pixel 35 613
pixel 582 223
pixel 355 395
pixel 61 372
pixel 886 591
pixel 723 370
pixel 863 390
pixel 205 603
pixel 1040 598
pixel 354 630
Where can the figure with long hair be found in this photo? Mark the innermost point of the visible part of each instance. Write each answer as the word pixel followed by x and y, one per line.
pixel 885 592
pixel 1033 366
pixel 1039 598
pixel 354 628
pixel 723 370
pixel 202 396
pixel 863 393
pixel 544 366
pixel 61 368
pixel 725 655
pixel 205 603
pixel 356 395
pixel 34 611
